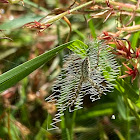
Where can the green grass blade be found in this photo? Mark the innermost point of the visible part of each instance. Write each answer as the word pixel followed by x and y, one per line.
pixel 79 48
pixel 19 22
pixel 135 40
pixel 92 28
pixel 14 75
pixel 98 110
pixel 126 90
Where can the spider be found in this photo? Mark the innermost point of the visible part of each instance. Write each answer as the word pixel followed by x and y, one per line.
pixel 82 76
pixel 85 77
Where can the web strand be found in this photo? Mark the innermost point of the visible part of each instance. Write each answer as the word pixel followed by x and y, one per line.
pixel 92 75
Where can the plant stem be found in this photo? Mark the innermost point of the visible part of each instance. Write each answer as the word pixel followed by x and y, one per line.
pixel 8 124
pixel 122 6
pixel 81 6
pixel 128 124
pixel 72 124
pixel 132 110
pixel 92 28
pixel 67 125
pixel 126 7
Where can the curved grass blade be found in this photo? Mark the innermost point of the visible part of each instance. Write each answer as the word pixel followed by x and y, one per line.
pixel 16 74
pixel 126 90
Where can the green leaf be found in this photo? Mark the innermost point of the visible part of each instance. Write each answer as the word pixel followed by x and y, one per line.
pixel 121 107
pixel 19 22
pixel 126 90
pixel 14 75
pixel 135 40
pixel 96 111
pixel 80 48
pixel 138 103
pixel 92 27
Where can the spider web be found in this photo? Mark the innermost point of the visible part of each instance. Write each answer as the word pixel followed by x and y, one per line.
pixel 101 71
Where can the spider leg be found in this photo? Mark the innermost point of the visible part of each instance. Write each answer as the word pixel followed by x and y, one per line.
pixel 98 55
pixel 95 86
pixel 72 101
pixel 97 63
